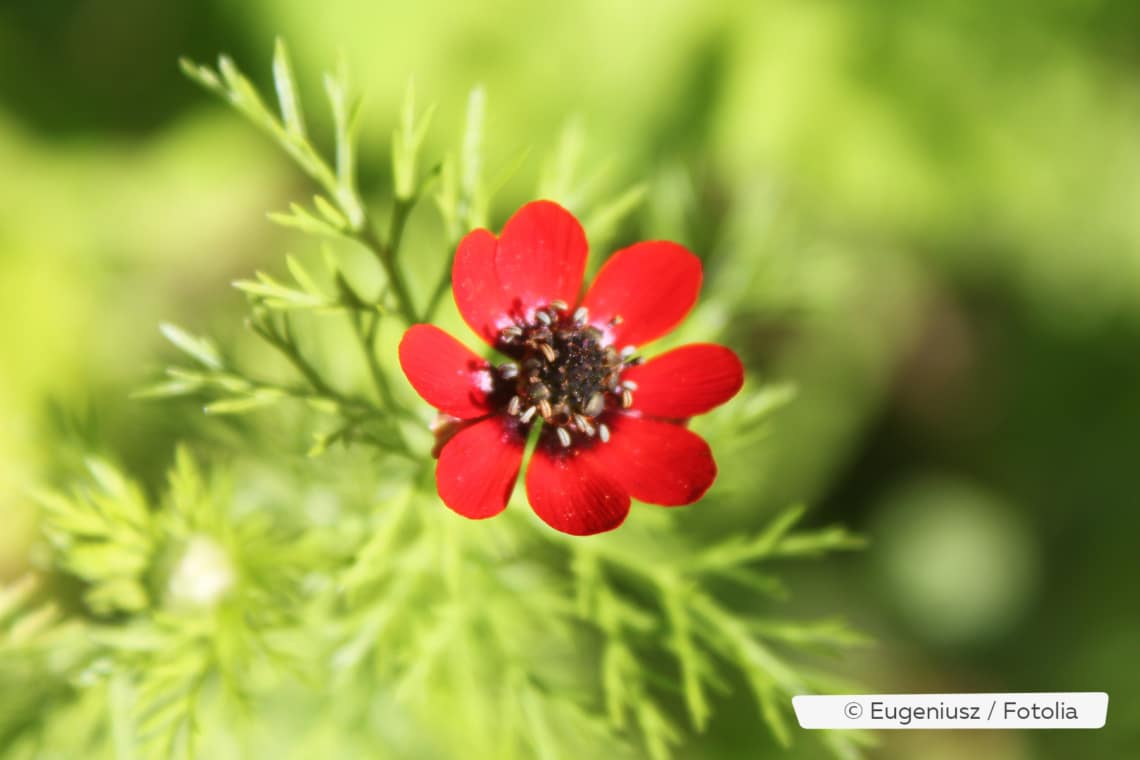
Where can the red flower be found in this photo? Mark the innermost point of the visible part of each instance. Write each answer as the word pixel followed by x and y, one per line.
pixel 613 426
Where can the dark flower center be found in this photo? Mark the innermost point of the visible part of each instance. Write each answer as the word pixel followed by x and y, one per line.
pixel 565 373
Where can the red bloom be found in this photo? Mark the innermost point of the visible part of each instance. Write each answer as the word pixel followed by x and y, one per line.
pixel 613 426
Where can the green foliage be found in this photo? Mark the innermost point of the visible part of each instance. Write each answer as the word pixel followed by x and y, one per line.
pixel 705 638
pixel 202 605
pixel 39 651
pixel 103 535
pixel 560 180
pixel 198 588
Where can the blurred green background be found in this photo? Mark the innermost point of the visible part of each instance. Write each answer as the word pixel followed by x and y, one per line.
pixel 939 199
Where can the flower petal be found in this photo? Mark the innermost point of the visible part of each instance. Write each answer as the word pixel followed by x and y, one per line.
pixel 541 256
pixel 480 299
pixel 445 373
pixel 686 381
pixel 658 462
pixel 478 467
pixel 573 493
pixel 651 286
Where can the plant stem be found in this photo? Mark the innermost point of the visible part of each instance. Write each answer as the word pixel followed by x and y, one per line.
pixel 440 289
pixel 386 253
pixel 286 345
pixel 366 336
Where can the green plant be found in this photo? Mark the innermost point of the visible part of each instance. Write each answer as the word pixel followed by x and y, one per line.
pixel 254 592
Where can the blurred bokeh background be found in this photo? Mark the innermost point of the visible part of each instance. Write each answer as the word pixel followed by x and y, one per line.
pixel 939 197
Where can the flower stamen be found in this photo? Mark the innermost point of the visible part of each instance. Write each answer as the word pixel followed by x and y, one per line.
pixel 583 425
pixel 594 405
pixel 565 372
